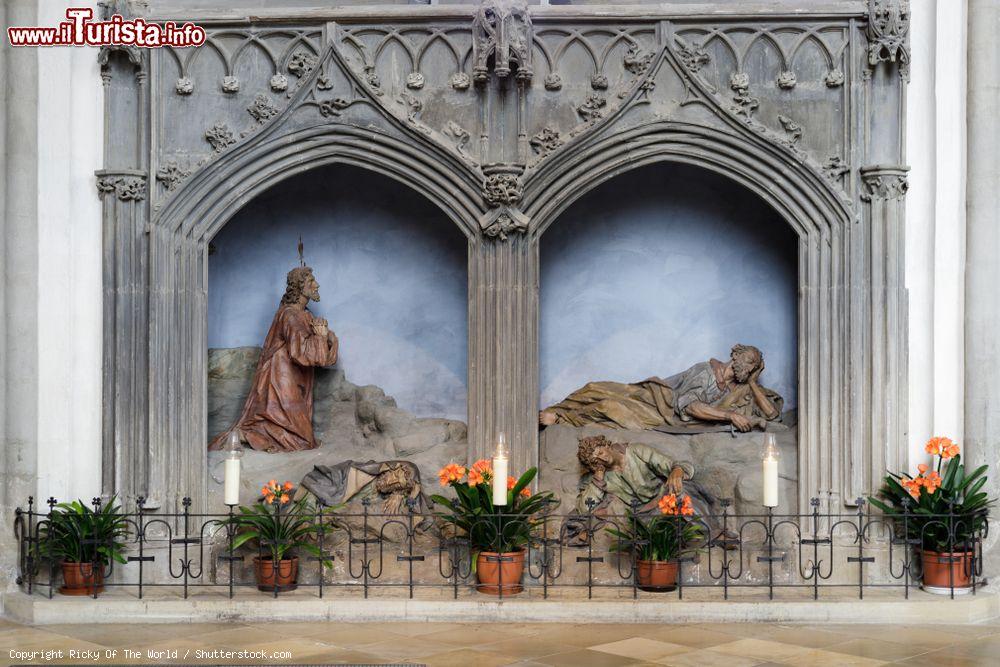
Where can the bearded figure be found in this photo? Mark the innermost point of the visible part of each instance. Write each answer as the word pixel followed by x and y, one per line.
pixel 619 476
pixel 393 483
pixel 277 415
pixel 707 396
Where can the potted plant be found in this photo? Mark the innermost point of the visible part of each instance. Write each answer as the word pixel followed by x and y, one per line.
pixel 497 535
pixel 944 511
pixel 657 541
pixel 280 527
pixel 85 540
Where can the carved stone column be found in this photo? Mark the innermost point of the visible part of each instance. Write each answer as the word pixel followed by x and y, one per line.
pixel 982 270
pixel 122 186
pixel 503 347
pixel 884 190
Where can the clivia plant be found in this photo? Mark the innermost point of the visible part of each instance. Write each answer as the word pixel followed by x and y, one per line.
pixel 497 534
pixel 85 540
pixel 943 508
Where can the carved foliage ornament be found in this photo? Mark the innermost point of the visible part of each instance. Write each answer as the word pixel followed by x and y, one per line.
pixel 171 175
pixel 888 27
pixel 693 56
pixel 501 31
pixel 502 189
pixel 546 141
pixel 126 188
pixel 884 183
pixel 220 137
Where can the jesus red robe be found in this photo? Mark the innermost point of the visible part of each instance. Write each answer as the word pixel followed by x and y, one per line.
pixel 277 415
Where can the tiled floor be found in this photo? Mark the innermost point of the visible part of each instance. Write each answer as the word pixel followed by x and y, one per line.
pixel 444 644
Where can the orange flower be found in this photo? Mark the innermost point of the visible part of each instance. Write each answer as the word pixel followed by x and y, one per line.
pixel 264 490
pixel 912 486
pixel 284 498
pixel 483 466
pixel 289 486
pixel 526 492
pixel 922 468
pixel 510 482
pixel 451 473
pixel 932 482
pixel 475 477
pixel 273 483
pixel 937 445
pixel 668 504
pixel 950 451
pixel 687 509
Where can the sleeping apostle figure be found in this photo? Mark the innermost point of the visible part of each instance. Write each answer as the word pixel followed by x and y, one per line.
pixel 277 415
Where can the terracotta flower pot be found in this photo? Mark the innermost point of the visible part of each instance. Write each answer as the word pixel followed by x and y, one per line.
pixel 944 571
pixel 285 576
pixel 495 571
pixel 82 578
pixel 657 575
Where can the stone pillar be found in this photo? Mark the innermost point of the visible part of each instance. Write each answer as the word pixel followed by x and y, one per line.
pixel 19 202
pixel 982 268
pixel 503 347
pixel 884 191
pixel 122 185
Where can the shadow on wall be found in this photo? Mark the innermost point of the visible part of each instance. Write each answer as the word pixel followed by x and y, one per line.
pixel 392 270
pixel 661 268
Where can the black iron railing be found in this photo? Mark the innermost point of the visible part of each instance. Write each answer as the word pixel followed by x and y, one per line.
pixel 770 551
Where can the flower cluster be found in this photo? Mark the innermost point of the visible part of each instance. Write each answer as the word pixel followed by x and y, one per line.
pixel 281 492
pixel 943 447
pixel 668 505
pixel 481 472
pixel 451 473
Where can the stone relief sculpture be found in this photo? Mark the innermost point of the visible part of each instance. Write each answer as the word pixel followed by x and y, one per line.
pixel 708 394
pixel 395 484
pixel 620 474
pixel 277 414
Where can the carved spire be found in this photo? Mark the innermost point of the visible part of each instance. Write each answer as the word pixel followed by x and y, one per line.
pixel 501 40
pixel 888 32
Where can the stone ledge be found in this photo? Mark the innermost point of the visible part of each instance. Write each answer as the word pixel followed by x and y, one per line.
pixel 37 610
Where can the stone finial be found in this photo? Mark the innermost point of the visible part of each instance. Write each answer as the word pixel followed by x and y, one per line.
pixel 501 30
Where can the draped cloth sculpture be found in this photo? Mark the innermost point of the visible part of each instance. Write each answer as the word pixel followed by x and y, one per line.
pixel 710 392
pixel 277 415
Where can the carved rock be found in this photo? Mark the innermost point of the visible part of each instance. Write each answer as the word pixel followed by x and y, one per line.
pixel 884 183
pixel 599 82
pixel 693 56
pixel 787 80
pixel 636 60
pixel 333 107
pixel 126 188
pixel 220 137
pixel 501 36
pixel 888 30
pixel 834 168
pixel 279 83
pixel 301 63
pixel 593 108
pixel 460 81
pixel 553 82
pixel 230 84
pixel 415 80
pixel 171 175
pixel 461 137
pixel 546 141
pixel 792 129
pixel 834 78
pixel 262 108
pixel 502 189
pixel 184 86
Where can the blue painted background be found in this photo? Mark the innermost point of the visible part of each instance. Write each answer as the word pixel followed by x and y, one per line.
pixel 392 273
pixel 629 288
pixel 658 269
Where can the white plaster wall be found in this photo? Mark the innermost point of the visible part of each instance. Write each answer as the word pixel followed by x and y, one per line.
pixel 70 136
pixel 935 221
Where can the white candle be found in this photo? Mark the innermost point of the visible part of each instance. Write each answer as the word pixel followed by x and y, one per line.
pixel 770 472
pixel 232 485
pixel 500 472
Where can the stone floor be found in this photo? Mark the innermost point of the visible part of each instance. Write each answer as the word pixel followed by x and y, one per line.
pixel 694 645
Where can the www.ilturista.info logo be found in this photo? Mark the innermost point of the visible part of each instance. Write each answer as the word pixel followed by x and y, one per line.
pixel 79 30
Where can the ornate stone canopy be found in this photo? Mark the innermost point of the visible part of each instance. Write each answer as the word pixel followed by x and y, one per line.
pixel 503 114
